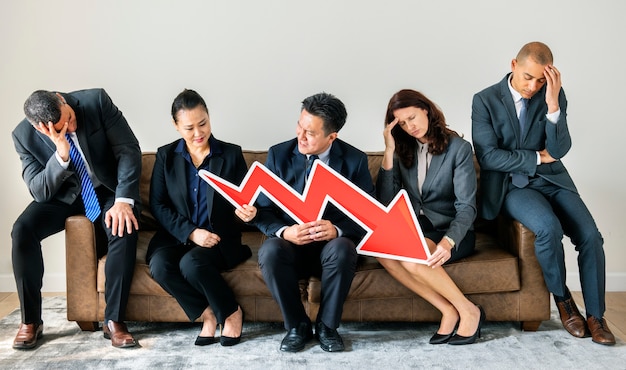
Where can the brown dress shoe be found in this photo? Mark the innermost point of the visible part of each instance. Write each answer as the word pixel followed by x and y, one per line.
pixel 27 336
pixel 600 332
pixel 119 335
pixel 571 318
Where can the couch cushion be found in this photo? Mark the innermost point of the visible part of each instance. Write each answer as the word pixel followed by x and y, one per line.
pixel 489 270
pixel 246 281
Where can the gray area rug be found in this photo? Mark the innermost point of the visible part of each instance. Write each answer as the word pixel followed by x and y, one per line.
pixel 368 346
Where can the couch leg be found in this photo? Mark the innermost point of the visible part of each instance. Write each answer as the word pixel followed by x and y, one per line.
pixel 530 325
pixel 88 325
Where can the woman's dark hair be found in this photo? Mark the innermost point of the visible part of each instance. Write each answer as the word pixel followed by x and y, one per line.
pixel 438 133
pixel 187 99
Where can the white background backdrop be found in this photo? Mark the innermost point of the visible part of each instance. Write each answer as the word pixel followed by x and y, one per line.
pixel 254 62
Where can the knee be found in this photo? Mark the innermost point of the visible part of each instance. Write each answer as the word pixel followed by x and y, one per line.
pixel 21 230
pixel 549 229
pixel 346 254
pixel 340 252
pixel 589 237
pixel 191 265
pixel 271 253
pixel 160 268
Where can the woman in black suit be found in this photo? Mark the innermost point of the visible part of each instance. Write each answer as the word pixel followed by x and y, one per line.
pixel 200 235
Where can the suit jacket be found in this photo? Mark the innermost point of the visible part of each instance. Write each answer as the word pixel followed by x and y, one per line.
pixel 288 163
pixel 448 196
pixel 500 151
pixel 108 143
pixel 169 200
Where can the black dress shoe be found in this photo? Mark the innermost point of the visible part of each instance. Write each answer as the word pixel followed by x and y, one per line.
pixel 205 341
pixel 460 340
pixel 297 337
pixel 330 340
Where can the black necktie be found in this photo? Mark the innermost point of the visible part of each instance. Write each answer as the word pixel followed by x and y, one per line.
pixel 309 164
pixel 88 193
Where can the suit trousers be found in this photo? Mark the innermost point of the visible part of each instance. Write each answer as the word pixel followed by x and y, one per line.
pixel 283 264
pixel 192 275
pixel 40 220
pixel 550 212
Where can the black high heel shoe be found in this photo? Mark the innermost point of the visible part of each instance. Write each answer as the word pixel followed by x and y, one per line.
pixel 231 341
pixel 205 341
pixel 460 340
pixel 443 338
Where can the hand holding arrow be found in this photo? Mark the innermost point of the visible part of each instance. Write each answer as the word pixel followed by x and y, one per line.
pixel 391 232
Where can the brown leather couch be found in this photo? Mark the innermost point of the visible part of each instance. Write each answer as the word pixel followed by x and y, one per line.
pixel 503 276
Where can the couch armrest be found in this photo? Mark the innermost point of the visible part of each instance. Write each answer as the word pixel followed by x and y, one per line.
pixel 81 269
pixel 520 241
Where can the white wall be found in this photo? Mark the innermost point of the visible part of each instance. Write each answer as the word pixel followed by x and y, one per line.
pixel 254 61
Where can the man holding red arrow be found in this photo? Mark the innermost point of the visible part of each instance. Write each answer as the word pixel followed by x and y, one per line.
pixel 325 248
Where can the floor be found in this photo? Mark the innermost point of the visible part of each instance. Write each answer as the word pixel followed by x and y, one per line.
pixel 615 313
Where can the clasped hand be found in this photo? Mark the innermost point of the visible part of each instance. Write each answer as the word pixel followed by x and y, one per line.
pixel 309 232
pixel 204 238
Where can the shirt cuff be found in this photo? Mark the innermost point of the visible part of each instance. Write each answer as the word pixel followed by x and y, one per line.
pixel 554 117
pixel 126 200
pixel 63 163
pixel 279 233
pixel 339 232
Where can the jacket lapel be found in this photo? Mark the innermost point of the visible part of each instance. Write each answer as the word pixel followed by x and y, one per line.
pixel 434 167
pixel 215 166
pixel 509 105
pixel 335 158
pixel 298 164
pixel 180 173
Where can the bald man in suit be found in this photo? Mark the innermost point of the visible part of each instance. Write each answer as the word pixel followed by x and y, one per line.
pixel 520 133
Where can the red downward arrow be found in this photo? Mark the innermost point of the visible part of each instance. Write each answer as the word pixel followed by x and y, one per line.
pixel 392 232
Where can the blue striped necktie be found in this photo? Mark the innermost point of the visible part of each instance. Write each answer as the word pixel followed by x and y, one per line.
pixel 518 179
pixel 88 193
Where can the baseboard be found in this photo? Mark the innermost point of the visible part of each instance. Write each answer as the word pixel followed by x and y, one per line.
pixel 615 282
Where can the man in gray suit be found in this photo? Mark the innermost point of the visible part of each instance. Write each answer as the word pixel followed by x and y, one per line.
pixel 79 156
pixel 519 130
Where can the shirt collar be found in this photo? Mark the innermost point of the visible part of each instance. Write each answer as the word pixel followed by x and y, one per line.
pixel 517 97
pixel 323 156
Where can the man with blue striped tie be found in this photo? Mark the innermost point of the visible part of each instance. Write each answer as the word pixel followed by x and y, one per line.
pixel 79 156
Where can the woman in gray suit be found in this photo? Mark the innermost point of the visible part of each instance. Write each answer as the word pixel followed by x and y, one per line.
pixel 435 166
